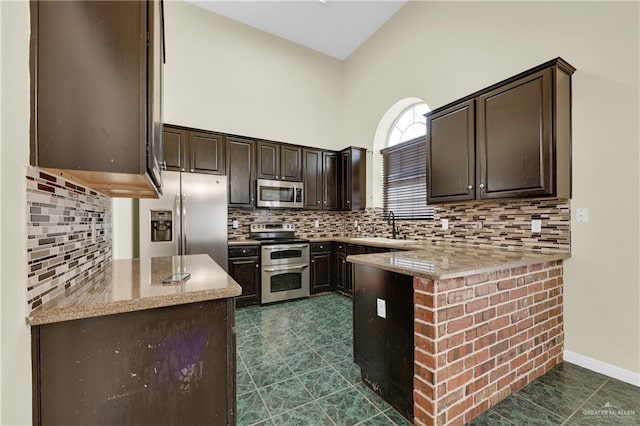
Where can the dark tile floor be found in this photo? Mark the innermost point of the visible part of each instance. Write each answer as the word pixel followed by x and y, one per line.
pixel 295 368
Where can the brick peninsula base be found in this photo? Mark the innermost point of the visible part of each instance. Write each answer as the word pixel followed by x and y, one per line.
pixel 482 337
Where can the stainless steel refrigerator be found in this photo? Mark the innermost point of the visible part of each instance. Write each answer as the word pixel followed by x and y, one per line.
pixel 189 218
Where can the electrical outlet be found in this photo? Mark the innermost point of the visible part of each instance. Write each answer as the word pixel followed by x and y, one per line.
pixel 582 215
pixel 355 223
pixel 234 224
pixel 316 223
pixel 479 224
pixel 381 308
pixel 536 226
pixel 445 224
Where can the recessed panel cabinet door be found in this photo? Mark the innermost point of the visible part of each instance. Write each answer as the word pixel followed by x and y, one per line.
pixel 268 161
pixel 174 144
pixel 291 163
pixel 451 154
pixel 312 165
pixel 240 172
pixel 206 153
pixel 515 139
pixel 330 181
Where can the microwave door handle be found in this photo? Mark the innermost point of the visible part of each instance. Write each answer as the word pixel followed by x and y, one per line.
pixel 291 268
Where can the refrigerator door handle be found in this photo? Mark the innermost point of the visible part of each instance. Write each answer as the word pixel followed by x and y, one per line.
pixel 184 223
pixel 178 211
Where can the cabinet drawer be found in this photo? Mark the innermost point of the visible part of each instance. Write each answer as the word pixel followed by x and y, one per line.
pixel 243 251
pixel 341 247
pixel 356 249
pixel 324 246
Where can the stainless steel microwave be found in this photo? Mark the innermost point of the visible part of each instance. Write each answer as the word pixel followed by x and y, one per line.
pixel 276 193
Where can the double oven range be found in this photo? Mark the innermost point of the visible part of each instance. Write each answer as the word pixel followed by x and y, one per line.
pixel 284 261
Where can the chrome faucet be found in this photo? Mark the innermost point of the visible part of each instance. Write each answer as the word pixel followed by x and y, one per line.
pixel 391 220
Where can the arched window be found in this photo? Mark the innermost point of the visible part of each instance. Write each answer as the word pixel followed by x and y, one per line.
pixel 404 165
pixel 409 125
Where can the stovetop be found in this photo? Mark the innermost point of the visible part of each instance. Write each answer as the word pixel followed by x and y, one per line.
pixel 274 233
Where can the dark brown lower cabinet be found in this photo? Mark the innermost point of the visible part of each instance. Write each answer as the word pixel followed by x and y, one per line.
pixel 341 271
pixel 383 347
pixel 322 277
pixel 165 366
pixel 244 267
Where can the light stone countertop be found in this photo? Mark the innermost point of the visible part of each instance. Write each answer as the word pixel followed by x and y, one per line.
pixel 136 284
pixel 443 261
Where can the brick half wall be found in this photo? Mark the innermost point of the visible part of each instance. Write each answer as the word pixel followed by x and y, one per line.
pixel 482 337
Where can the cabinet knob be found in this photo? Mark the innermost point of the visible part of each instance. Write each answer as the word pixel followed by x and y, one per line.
pixel 313 261
pixel 192 170
pixel 344 261
pixel 470 187
pixel 348 202
pixel 482 186
pixel 257 265
pixel 244 251
pixel 318 202
pixel 321 246
pixel 324 202
pixel 276 177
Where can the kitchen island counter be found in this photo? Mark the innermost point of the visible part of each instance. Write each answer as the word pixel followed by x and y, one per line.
pixel 130 285
pixel 444 261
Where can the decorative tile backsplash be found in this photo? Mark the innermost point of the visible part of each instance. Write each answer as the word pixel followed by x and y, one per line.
pixel 68 235
pixel 492 224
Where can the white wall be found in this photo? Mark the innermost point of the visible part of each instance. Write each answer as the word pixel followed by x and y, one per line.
pixel 223 75
pixel 440 51
pixel 125 222
pixel 15 338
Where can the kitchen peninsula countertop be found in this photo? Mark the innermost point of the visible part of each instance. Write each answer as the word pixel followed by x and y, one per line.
pixel 136 284
pixel 444 261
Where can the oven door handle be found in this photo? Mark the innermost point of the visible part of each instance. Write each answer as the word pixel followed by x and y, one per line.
pixel 281 247
pixel 288 268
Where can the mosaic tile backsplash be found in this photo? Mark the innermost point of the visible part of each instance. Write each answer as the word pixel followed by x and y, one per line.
pixel 486 224
pixel 68 235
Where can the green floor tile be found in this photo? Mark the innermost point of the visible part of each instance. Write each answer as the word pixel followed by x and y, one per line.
pixel 323 382
pixel 285 396
pixel 305 415
pixel 348 407
pixel 251 409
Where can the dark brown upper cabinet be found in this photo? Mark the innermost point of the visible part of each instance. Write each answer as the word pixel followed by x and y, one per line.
pixel 194 151
pixel 353 169
pixel 96 93
pixel 510 140
pixel 279 161
pixel 320 176
pixel 240 172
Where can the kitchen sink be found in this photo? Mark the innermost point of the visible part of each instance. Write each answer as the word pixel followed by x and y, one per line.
pixel 383 240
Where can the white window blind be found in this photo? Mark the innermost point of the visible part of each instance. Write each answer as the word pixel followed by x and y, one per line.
pixel 404 183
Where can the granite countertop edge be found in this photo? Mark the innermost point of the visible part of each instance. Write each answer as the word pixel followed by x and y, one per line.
pixel 381 261
pixel 80 311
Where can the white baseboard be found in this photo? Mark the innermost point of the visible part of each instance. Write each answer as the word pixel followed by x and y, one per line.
pixel 602 368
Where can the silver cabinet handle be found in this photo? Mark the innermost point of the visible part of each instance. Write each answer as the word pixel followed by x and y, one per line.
pixel 470 187
pixel 293 268
pixel 482 186
pixel 178 209
pixel 184 223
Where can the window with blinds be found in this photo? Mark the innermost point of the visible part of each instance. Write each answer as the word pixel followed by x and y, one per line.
pixel 404 182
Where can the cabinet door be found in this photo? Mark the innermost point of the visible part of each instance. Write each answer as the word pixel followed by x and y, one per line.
pixel 451 154
pixel 341 271
pixel 320 271
pixel 240 172
pixel 345 180
pixel 206 153
pixel 312 161
pixel 514 140
pixel 246 271
pixel 291 163
pixel 329 181
pixel 268 164
pixel 174 147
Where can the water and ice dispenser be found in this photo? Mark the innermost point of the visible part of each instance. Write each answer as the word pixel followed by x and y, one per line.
pixel 161 225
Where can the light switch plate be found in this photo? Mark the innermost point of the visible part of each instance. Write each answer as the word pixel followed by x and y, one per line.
pixel 381 308
pixel 445 224
pixel 536 226
pixel 582 215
